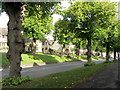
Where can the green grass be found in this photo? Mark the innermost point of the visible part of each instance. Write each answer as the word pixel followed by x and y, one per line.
pixel 42 59
pixel 39 53
pixel 93 57
pixel 27 60
pixel 4 59
pixel 64 79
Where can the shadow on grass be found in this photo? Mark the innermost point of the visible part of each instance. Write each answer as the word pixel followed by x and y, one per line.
pixel 83 57
pixel 46 58
pixel 39 59
pixel 95 58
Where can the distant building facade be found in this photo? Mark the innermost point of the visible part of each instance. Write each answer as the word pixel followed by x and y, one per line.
pixel 42 46
pixel 3 39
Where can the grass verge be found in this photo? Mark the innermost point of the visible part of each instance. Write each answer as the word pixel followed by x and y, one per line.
pixel 92 57
pixel 26 59
pixel 66 79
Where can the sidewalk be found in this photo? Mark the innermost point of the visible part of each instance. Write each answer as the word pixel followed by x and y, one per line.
pixel 108 78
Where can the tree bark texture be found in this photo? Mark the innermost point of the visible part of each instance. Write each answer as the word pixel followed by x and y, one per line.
pixel 77 51
pixel 89 50
pixel 15 11
pixel 62 52
pixel 114 54
pixel 107 51
pixel 34 46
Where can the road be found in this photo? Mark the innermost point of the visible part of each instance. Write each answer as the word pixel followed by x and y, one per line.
pixel 38 71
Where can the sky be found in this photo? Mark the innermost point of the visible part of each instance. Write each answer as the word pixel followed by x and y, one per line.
pixel 4 18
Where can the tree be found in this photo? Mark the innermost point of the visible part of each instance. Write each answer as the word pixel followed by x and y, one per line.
pixel 62 33
pixel 79 43
pixel 98 46
pixel 15 11
pixel 116 45
pixel 37 27
pixel 87 16
pixel 111 36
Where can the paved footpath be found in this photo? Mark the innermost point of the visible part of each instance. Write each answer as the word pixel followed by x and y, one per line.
pixel 107 78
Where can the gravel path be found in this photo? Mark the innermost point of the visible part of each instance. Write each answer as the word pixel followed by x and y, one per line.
pixel 107 78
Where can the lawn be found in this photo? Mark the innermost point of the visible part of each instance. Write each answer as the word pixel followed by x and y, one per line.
pixel 30 59
pixel 92 57
pixel 39 58
pixel 66 79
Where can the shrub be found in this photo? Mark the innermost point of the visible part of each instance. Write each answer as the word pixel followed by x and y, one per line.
pixel 107 61
pixel 15 81
pixel 36 57
pixel 89 63
pixel 53 51
pixel 115 61
pixel 31 56
pixel 29 52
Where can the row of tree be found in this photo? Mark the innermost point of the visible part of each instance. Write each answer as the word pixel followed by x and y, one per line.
pixel 90 24
pixel 35 18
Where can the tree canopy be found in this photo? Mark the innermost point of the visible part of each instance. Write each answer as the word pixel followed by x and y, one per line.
pixel 90 20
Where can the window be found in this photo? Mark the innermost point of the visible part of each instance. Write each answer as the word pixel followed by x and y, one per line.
pixel 42 49
pixel 43 43
pixel 46 48
pixel 3 44
pixel 3 36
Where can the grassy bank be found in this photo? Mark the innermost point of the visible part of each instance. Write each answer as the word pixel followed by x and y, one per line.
pixel 39 58
pixel 29 59
pixel 64 79
pixel 92 57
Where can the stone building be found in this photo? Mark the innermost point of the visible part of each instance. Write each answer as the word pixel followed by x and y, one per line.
pixel 3 39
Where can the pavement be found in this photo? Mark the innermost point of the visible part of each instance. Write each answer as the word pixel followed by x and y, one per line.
pixel 107 78
pixel 38 71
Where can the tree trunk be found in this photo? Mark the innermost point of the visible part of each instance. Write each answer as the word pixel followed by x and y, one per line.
pixel 118 56
pixel 34 46
pixel 89 50
pixel 101 54
pixel 114 54
pixel 15 12
pixel 62 52
pixel 77 52
pixel 107 51
pixel 31 46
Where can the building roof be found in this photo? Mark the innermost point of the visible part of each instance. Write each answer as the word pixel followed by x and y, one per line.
pixel 51 42
pixel 27 40
pixel 3 31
